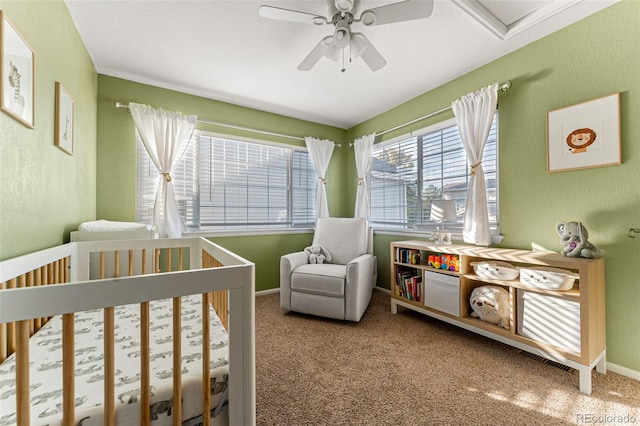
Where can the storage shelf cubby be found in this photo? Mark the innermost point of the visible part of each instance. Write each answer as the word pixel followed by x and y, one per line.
pixel 578 341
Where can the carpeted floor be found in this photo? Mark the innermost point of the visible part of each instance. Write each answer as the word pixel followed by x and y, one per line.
pixel 409 369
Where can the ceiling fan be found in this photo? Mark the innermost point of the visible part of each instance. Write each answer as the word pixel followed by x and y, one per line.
pixel 342 17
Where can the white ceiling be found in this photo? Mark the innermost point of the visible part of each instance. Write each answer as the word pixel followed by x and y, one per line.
pixel 223 50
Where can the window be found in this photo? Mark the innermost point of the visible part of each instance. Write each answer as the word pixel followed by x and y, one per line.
pixel 230 183
pixel 408 173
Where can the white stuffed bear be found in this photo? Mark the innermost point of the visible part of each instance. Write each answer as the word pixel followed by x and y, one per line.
pixel 491 303
pixel 317 254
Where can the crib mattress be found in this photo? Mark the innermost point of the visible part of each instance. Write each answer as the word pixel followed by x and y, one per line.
pixel 46 366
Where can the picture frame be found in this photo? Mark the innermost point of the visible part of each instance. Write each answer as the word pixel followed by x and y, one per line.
pixel 64 120
pixel 17 59
pixel 584 135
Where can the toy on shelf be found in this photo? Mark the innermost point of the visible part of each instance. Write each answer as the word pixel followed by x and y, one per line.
pixel 574 238
pixel 445 262
pixel 491 303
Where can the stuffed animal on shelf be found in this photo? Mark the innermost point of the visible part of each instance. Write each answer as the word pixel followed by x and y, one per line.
pixel 574 238
pixel 491 303
pixel 318 254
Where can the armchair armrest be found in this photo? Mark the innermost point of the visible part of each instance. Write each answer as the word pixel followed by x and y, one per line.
pixel 288 263
pixel 360 280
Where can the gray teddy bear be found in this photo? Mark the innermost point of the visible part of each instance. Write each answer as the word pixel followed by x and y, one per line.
pixel 317 254
pixel 574 238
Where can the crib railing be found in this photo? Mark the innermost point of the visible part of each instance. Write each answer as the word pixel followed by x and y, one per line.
pixel 180 267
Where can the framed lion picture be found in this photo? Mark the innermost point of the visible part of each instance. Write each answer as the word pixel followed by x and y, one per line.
pixel 584 135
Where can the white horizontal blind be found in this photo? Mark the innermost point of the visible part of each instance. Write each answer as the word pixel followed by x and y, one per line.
pixel 406 175
pixel 394 184
pixel 302 210
pixel 223 183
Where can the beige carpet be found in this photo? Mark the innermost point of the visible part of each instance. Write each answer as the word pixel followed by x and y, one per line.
pixel 408 369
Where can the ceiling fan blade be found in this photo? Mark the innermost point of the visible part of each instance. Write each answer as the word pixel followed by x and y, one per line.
pixel 324 48
pixel 362 47
pixel 291 15
pixel 397 12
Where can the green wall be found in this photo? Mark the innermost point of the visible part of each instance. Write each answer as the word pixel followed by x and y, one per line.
pixel 576 64
pixel 117 154
pixel 44 192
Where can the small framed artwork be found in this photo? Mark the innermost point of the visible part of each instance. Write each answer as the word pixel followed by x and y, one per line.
pixel 16 74
pixel 584 135
pixel 64 121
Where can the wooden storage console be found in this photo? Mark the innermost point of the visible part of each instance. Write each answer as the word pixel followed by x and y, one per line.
pixel 552 314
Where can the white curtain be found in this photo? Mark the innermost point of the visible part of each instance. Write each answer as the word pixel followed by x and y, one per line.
pixel 363 148
pixel 166 136
pixel 474 114
pixel 320 151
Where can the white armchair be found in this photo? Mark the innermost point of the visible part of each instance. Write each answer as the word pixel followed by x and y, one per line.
pixel 341 288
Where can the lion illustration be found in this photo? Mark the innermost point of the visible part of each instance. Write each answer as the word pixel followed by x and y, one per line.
pixel 580 139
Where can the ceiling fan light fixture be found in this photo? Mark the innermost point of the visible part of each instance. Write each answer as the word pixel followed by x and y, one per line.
pixel 368 18
pixel 344 5
pixel 341 38
pixel 319 20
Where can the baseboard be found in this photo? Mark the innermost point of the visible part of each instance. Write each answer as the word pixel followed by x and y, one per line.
pixel 623 371
pixel 269 291
pixel 277 290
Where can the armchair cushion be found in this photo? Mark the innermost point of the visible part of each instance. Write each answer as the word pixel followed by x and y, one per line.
pixel 344 238
pixel 323 279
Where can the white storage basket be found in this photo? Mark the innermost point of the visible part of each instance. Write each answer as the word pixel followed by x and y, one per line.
pixel 547 278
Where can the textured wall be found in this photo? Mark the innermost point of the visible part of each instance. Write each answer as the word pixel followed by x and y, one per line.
pixel 45 193
pixel 590 59
pixel 116 161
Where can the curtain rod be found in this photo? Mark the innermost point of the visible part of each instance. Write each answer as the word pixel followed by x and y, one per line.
pixel 502 90
pixel 233 126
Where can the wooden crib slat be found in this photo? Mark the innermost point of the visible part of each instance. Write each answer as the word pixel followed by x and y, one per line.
pixel 156 261
pixel 169 266
pixel 143 257
pixel 177 361
pixel 62 271
pixel 22 374
pixel 206 361
pixel 130 263
pixel 116 262
pixel 68 369
pixel 145 365
pixel 109 368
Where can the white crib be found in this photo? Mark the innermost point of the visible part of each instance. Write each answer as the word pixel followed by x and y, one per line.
pixel 55 282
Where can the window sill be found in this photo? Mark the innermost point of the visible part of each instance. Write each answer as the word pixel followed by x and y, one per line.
pixel 246 232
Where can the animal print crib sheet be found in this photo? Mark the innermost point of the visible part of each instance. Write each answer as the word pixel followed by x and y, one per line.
pixel 46 366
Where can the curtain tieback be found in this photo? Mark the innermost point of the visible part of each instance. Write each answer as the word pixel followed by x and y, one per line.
pixel 473 168
pixel 323 180
pixel 167 176
pixel 360 181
